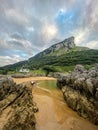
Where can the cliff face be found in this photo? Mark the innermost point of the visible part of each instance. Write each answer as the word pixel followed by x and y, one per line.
pixel 66 45
pixel 16 106
pixel 80 90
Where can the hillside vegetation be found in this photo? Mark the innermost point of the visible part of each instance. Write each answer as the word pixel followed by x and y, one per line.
pixel 71 58
pixel 60 57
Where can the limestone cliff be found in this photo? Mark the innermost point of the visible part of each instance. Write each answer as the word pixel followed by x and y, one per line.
pixel 80 90
pixel 66 45
pixel 16 106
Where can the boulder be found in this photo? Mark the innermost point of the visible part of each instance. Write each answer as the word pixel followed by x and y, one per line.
pixel 79 68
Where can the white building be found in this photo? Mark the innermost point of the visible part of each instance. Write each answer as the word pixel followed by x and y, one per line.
pixel 24 70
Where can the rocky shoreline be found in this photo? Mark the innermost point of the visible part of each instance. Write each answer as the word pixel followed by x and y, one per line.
pixel 80 90
pixel 17 100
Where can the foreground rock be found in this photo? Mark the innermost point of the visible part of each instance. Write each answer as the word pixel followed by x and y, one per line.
pixel 16 106
pixel 80 89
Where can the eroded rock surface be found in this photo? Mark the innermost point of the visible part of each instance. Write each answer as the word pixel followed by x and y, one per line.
pixel 66 44
pixel 80 90
pixel 16 106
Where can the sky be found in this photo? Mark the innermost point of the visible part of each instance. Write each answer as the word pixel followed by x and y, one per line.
pixel 30 26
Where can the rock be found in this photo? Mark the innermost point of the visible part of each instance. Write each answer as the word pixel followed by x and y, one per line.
pixel 81 104
pixel 79 68
pixel 80 90
pixel 90 86
pixel 60 83
pixel 96 94
pixel 58 75
pixel 20 101
pixel 95 82
pixel 6 86
pixel 70 97
pixel 92 73
pixel 66 44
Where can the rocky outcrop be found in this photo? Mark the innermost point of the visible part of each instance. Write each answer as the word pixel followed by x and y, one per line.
pixel 17 100
pixel 66 44
pixel 21 75
pixel 80 90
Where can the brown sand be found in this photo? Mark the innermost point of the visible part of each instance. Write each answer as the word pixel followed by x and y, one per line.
pixel 4 116
pixel 53 113
pixel 21 80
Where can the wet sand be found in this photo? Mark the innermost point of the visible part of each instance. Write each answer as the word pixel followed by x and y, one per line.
pixel 54 114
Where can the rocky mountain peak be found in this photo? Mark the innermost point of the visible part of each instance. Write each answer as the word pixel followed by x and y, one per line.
pixel 65 45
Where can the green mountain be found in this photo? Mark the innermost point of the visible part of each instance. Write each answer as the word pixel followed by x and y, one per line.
pixel 62 56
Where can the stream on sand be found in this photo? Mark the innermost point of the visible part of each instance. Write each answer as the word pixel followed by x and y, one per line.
pixel 54 114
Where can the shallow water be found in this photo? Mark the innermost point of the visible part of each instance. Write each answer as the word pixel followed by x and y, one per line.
pixel 48 84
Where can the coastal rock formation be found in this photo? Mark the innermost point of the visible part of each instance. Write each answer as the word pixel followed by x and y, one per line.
pixel 80 90
pixel 16 106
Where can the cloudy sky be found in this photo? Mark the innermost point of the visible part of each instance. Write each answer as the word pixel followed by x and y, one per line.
pixel 29 26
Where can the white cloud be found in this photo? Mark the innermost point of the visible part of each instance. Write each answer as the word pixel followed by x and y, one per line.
pixel 92 44
pixel 94 12
pixel 49 31
pixel 80 36
pixel 24 43
pixel 17 17
pixel 30 29
pixel 5 60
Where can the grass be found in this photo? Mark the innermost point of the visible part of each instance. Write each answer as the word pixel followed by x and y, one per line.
pixel 64 68
pixel 39 71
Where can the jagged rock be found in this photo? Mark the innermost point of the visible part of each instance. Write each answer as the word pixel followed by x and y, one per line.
pixel 80 90
pixel 66 44
pixel 20 101
pixel 60 83
pixel 96 94
pixel 57 75
pixel 92 73
pixel 6 86
pixel 90 86
pixel 79 68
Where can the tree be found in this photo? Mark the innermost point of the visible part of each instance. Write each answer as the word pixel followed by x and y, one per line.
pixel 49 69
pixel 4 72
